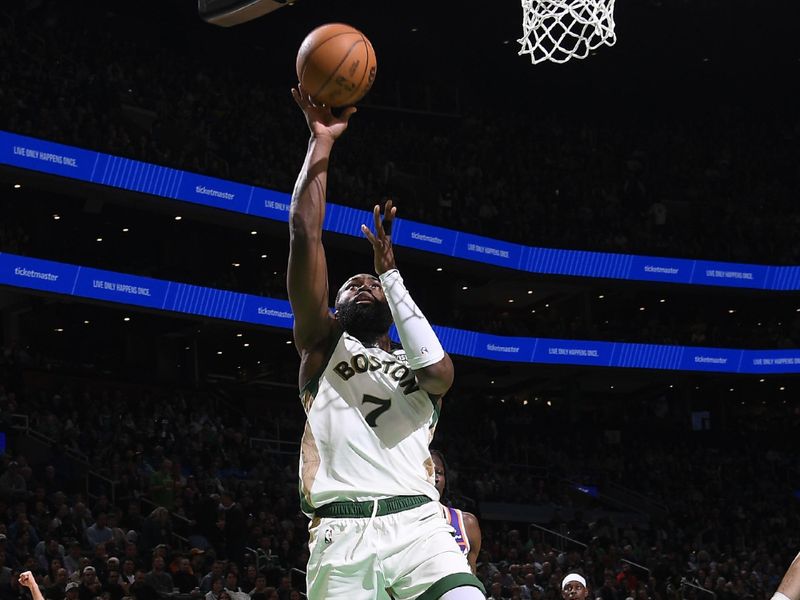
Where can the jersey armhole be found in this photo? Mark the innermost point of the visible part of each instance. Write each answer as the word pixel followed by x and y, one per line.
pixel 312 385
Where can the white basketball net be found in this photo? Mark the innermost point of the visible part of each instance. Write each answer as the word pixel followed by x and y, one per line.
pixel 557 30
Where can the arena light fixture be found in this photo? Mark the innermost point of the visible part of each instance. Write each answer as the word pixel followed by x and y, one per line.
pixel 438 269
pixel 57 217
pixel 178 217
pixel 17 186
pixel 125 230
pixel 227 13
pixel 465 287
pixel 263 256
pixel 253 233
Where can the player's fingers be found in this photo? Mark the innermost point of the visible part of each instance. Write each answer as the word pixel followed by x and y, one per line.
pixel 376 216
pixel 372 239
pixel 298 98
pixel 347 113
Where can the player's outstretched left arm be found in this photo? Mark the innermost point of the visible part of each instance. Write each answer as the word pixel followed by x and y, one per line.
pixel 426 357
pixel 26 579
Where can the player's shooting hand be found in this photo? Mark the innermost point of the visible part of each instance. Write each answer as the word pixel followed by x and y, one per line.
pixel 381 240
pixel 321 120
pixel 27 580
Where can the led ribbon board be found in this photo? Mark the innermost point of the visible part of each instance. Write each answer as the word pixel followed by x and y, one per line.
pixel 121 288
pixel 128 174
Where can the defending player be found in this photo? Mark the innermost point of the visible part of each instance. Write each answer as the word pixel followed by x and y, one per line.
pixel 573 587
pixel 466 527
pixel 366 476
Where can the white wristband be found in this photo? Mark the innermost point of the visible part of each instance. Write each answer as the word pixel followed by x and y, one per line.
pixel 780 596
pixel 416 334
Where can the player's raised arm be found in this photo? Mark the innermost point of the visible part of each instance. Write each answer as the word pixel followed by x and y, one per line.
pixel 426 357
pixel 307 277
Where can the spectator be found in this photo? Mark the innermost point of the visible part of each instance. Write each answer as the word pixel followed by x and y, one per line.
pixel 185 579
pixel 56 585
pixel 12 483
pixel 72 559
pixel 217 569
pixel 72 591
pixel 98 532
pixel 90 586
pixel 232 587
pixel 141 590
pixel 128 574
pixel 158 578
pixel 113 587
pixel 217 588
pixel 162 486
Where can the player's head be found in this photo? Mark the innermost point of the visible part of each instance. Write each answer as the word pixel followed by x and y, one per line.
pixel 573 586
pixel 440 472
pixel 361 307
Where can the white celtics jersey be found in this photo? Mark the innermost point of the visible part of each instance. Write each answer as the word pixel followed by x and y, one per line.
pixel 367 430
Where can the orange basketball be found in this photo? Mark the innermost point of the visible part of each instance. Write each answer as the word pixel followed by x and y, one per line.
pixel 336 64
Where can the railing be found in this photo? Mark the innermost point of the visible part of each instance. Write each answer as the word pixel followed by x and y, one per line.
pixel 560 536
pixel 685 583
pixel 275 446
pixel 109 485
pixel 303 573
pixel 643 498
pixel 21 422
pixel 179 520
pixel 637 565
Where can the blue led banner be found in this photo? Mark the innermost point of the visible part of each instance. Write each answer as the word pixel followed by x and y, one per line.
pixel 128 174
pixel 146 292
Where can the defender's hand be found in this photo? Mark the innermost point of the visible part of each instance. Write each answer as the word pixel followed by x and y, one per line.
pixel 321 121
pixel 381 240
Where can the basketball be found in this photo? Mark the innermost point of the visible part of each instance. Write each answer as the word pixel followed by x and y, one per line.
pixel 336 64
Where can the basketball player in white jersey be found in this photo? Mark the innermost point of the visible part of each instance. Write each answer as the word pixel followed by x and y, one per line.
pixel 366 475
pixel 467 530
